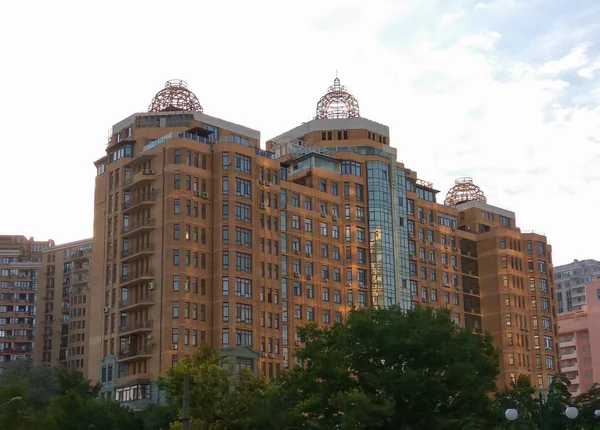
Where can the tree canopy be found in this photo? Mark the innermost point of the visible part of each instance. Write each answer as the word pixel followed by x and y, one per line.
pixel 388 368
pixel 219 399
pixel 53 398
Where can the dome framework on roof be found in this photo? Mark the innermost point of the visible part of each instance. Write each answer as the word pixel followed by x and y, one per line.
pixel 175 97
pixel 464 190
pixel 337 103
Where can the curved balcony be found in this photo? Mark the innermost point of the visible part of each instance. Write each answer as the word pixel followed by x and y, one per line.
pixel 136 227
pixel 142 202
pixel 135 353
pixel 133 303
pixel 140 179
pixel 133 254
pixel 133 278
pixel 143 326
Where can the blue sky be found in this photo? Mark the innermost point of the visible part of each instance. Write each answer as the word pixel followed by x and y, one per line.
pixel 505 91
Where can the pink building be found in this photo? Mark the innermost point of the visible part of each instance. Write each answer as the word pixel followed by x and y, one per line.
pixel 579 333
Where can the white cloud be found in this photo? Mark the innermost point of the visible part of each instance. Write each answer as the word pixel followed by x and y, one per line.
pixel 458 99
pixel 573 60
pixel 590 71
pixel 451 18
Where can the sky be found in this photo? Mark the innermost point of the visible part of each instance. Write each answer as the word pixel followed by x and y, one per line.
pixel 504 91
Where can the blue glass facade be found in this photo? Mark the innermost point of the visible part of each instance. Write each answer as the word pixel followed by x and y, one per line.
pixel 388 235
pixel 401 237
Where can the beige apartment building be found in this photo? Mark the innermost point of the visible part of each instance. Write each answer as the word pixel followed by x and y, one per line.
pixel 20 271
pixel 202 236
pixel 62 321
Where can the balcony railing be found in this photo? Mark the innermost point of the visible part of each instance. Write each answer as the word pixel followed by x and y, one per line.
pixel 140 178
pixel 130 254
pixel 139 326
pixel 144 199
pixel 135 352
pixel 132 277
pixel 133 302
pixel 141 225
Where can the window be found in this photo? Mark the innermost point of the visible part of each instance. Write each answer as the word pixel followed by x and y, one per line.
pixel 242 163
pixel 243 313
pixel 548 342
pixel 350 168
pixel 243 212
pixel 546 323
pixel 243 188
pixel 176 257
pixel 176 206
pixel 243 287
pixel 225 185
pixel 175 310
pixel 225 336
pixel 177 181
pixel 550 362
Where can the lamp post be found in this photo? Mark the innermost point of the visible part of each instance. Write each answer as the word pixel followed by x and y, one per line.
pixel 14 399
pixel 571 413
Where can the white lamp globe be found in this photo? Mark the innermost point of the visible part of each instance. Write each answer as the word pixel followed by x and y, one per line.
pixel 511 414
pixel 572 412
pixel 597 413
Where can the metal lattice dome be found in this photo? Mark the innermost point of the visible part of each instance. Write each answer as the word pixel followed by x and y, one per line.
pixel 337 103
pixel 175 96
pixel 464 190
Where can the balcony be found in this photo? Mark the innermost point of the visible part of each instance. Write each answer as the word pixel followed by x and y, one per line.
pixel 135 353
pixel 568 342
pixel 132 254
pixel 133 303
pixel 80 268
pixel 79 280
pixel 140 179
pixel 143 326
pixel 569 367
pixel 568 353
pixel 79 255
pixel 133 278
pixel 16 351
pixel 142 202
pixel 139 226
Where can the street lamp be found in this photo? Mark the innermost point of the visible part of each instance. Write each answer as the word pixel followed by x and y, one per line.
pixel 14 399
pixel 571 413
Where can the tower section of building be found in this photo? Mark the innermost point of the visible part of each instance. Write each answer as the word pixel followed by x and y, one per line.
pixel 63 323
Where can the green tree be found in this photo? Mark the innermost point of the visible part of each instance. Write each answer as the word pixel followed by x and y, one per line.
pixel 72 411
pixel 557 401
pixel 54 398
pixel 588 403
pixel 157 417
pixel 218 398
pixel 520 395
pixel 389 368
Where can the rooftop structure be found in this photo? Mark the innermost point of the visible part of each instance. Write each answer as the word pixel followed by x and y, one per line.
pixel 175 97
pixel 464 190
pixel 337 103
